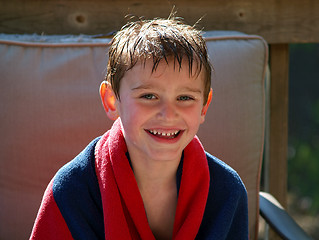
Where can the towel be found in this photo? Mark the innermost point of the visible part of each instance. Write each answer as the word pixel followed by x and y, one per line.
pixel 123 209
pixel 95 196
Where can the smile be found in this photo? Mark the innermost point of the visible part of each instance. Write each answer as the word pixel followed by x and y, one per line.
pixel 163 134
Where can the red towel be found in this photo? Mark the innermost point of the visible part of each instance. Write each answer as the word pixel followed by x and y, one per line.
pixel 123 209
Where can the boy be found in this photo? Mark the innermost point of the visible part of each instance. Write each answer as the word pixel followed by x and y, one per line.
pixel 149 177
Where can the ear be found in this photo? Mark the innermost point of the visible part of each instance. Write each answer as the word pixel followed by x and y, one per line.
pixel 205 107
pixel 108 100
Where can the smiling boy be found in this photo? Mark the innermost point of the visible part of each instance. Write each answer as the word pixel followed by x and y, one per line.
pixel 149 177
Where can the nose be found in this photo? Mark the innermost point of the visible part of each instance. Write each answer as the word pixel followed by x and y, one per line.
pixel 168 111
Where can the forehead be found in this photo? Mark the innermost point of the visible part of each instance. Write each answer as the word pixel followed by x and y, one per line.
pixel 181 66
pixel 167 72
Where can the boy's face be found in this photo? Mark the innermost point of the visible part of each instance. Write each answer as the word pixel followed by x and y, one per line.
pixel 160 111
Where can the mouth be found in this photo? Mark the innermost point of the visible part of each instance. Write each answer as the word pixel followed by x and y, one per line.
pixel 165 134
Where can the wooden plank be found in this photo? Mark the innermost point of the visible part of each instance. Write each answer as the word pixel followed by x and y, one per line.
pixel 278 136
pixel 285 21
pixel 278 132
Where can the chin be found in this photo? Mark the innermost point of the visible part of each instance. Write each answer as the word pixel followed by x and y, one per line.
pixel 167 155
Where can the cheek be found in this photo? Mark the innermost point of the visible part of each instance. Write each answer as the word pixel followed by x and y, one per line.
pixel 132 113
pixel 193 111
pixel 193 116
pixel 125 107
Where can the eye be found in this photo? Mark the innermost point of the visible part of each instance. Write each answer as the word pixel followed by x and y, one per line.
pixel 148 96
pixel 185 98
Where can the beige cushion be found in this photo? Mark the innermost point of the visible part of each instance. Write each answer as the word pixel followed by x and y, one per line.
pixel 234 126
pixel 50 109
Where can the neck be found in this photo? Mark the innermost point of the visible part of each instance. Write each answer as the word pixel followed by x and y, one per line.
pixel 156 181
pixel 154 174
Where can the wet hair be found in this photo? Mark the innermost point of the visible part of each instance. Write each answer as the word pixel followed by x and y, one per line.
pixel 160 40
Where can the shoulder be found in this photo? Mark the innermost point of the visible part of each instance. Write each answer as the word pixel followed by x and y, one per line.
pixel 225 183
pixel 80 169
pixel 77 194
pixel 226 212
pixel 222 176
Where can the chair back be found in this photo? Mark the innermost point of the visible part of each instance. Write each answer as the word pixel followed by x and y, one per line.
pixel 234 126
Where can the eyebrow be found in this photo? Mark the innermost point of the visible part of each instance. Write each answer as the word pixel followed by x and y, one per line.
pixel 148 86
pixel 189 89
pixel 142 87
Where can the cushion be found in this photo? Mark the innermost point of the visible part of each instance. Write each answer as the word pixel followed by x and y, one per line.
pixel 50 110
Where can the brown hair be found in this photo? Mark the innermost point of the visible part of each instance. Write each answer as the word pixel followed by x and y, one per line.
pixel 157 39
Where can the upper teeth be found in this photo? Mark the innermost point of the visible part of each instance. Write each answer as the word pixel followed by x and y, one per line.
pixel 163 133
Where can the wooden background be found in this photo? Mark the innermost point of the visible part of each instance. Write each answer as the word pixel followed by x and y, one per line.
pixel 280 22
pixel 285 21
